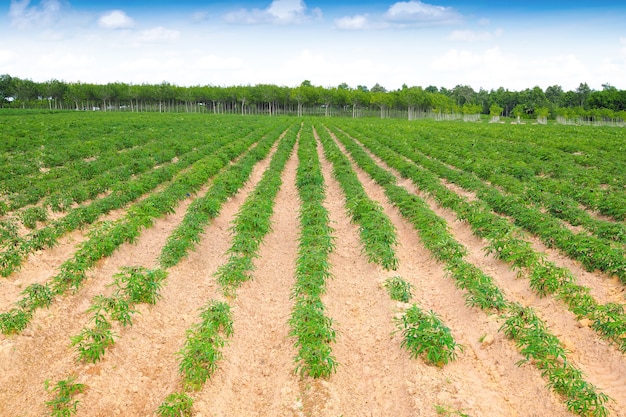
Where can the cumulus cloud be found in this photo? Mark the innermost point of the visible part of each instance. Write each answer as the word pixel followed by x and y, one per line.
pixel 473 36
pixel 402 14
pixel 23 15
pixel 116 19
pixel 418 12
pixel 279 11
pixel 353 23
pixel 494 67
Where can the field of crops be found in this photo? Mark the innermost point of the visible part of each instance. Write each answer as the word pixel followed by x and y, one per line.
pixel 217 265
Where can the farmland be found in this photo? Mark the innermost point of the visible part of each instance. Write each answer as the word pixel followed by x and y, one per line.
pixel 221 265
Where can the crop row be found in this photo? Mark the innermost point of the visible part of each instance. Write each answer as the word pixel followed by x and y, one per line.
pixel 378 234
pixel 108 236
pixel 521 324
pixel 134 284
pixel 202 349
pixel 592 252
pixel 507 243
pixel 252 222
pixel 311 327
pixel 122 193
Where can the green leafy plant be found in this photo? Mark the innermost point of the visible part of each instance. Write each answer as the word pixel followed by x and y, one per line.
pixel 399 289
pixel 36 296
pixel 14 321
pixel 92 342
pixel 139 284
pixel 202 349
pixel 64 404
pixel 176 405
pixel 425 335
pixel 32 215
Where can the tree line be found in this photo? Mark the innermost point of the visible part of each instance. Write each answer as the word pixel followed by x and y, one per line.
pixel 583 103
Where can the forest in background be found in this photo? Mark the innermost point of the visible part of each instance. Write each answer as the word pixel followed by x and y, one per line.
pixel 582 105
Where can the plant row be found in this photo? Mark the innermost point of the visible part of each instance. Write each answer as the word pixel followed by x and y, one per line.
pixel 204 209
pixel 310 326
pixel 507 242
pixel 539 344
pixel 202 349
pixel 122 193
pixel 253 221
pixel 133 285
pixel 104 239
pixel 377 232
pixel 592 252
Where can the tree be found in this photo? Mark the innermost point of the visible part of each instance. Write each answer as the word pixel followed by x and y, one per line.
pixel 495 111
pixel 518 111
pixel 554 94
pixel 582 92
pixel 7 88
pixel 378 89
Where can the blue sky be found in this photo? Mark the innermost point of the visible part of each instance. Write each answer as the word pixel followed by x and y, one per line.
pixel 484 44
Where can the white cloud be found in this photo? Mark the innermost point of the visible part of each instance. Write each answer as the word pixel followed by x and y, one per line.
pixel 116 19
pixel 473 36
pixel 622 42
pixel 494 67
pixel 158 34
pixel 24 16
pixel 6 56
pixel 352 23
pixel 67 60
pixel 418 12
pixel 214 62
pixel 402 14
pixel 279 11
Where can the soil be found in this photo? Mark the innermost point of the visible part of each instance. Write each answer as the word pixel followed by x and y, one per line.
pixel 256 377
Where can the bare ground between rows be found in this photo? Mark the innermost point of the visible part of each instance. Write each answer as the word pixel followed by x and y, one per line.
pixel 604 288
pixel 603 364
pixel 141 368
pixel 256 376
pixel 484 379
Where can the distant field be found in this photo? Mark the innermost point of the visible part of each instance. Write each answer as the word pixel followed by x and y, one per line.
pixel 199 264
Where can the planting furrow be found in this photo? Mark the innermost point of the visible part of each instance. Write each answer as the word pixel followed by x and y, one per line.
pixel 205 340
pixel 118 361
pixel 258 360
pixel 507 243
pixel 107 237
pixel 486 368
pixel 532 336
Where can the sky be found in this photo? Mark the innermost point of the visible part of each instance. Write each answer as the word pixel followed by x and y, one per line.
pixel 445 43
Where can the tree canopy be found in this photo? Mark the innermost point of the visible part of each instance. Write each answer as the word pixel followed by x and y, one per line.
pixel 307 98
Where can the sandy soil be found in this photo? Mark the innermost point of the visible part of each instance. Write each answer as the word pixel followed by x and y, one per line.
pixel 375 377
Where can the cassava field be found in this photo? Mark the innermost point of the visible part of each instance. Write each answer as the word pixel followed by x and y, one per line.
pixel 212 265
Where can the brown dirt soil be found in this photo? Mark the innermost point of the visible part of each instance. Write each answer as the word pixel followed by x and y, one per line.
pixel 375 376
